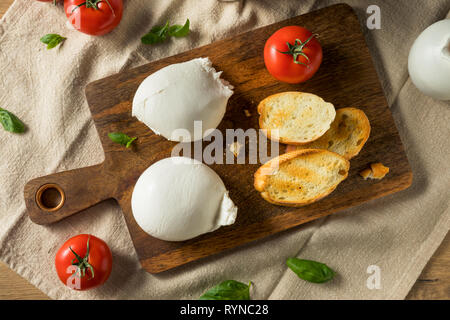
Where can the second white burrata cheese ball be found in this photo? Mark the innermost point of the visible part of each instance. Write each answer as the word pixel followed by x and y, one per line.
pixel 175 96
pixel 180 198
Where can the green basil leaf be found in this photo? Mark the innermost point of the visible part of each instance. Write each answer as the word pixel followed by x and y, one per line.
pixel 10 122
pixel 179 31
pixel 228 290
pixel 52 40
pixel 160 34
pixel 121 138
pixel 161 31
pixel 311 271
pixel 151 38
pixel 157 34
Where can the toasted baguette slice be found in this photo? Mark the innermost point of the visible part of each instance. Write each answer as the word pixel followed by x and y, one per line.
pixel 301 177
pixel 347 135
pixel 299 117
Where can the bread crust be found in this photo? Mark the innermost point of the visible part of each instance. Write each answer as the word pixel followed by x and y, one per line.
pixel 261 177
pixel 364 121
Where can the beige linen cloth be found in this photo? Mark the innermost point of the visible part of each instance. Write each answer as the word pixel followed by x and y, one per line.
pixel 45 88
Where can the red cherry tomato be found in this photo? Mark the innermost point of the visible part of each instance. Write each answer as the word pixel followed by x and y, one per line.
pixel 94 17
pixel 296 62
pixel 83 262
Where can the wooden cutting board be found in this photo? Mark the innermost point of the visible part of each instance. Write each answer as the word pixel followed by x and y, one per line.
pixel 347 78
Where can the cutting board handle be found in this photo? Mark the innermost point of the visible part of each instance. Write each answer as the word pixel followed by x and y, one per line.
pixel 60 195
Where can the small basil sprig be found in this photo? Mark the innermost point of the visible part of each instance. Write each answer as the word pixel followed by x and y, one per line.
pixel 160 34
pixel 10 122
pixel 52 40
pixel 179 31
pixel 311 271
pixel 121 138
pixel 228 290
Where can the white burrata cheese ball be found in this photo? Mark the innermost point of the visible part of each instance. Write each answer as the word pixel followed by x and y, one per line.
pixel 180 198
pixel 175 96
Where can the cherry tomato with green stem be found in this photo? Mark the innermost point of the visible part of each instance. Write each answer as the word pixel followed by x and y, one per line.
pixel 94 17
pixel 83 262
pixel 292 54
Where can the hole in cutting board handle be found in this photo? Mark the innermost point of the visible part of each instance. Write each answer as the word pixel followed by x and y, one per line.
pixel 50 197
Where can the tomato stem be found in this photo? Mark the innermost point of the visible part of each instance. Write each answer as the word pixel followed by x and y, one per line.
pixel 296 50
pixel 83 263
pixel 93 4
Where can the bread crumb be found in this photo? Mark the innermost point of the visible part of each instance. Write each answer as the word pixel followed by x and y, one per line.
pixel 235 148
pixel 376 171
pixel 379 170
pixel 366 173
pixel 247 113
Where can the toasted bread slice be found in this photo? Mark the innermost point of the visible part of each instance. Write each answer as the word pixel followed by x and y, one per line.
pixel 298 117
pixel 301 177
pixel 347 135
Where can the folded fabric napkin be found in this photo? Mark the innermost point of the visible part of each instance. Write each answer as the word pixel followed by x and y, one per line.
pixel 45 88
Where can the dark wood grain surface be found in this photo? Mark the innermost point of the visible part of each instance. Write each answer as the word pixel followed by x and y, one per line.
pixel 346 78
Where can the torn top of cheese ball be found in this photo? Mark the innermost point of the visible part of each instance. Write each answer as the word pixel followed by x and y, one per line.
pixel 179 198
pixel 175 96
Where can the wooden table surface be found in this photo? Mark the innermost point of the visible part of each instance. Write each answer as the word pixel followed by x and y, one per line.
pixel 433 283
